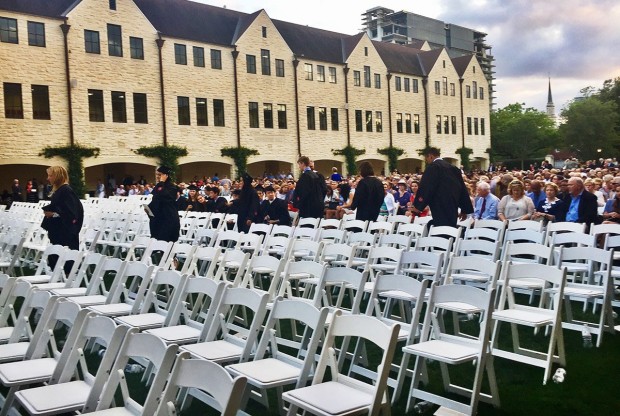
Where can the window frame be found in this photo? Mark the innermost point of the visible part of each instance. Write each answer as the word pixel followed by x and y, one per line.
pixel 398 83
pixel 335 119
pixel 310 118
pixel 323 118
pixel 453 124
pixel 95 100
pixel 34 39
pixel 115 46
pixel 180 54
pixel 183 111
pixel 265 61
pixel 399 122
pixel 367 79
pixel 40 99
pixel 88 41
pixel 438 124
pixel 250 63
pixel 254 122
pixel 333 76
pixel 408 123
pixel 282 121
pixel 13 96
pixel 416 124
pixel 415 87
pixel 10 33
pixel 219 115
pixel 437 88
pixel 268 115
pixel 140 112
pixel 407 84
pixel 309 72
pixel 279 67
pixel 378 121
pixel 134 49
pixel 216 58
pixel 357 79
pixel 359 120
pixel 368 118
pixel 202 111
pixel 320 73
pixel 198 56
pixel 119 106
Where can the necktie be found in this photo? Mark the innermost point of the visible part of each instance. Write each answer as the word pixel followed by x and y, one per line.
pixel 482 208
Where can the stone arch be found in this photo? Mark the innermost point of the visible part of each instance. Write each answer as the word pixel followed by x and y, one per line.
pixel 116 173
pixel 409 165
pixel 378 165
pixel 199 169
pixel 25 170
pixel 261 168
pixel 324 166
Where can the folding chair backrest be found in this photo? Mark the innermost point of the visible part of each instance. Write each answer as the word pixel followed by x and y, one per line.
pixel 528 253
pixel 203 262
pixel 308 222
pixel 132 287
pixel 380 227
pixel 305 249
pixel 524 236
pixel 525 225
pixel 478 248
pixel 88 269
pixel 446 232
pixel 350 284
pixel 395 240
pixel 164 292
pixel 157 253
pixel 488 234
pixel 571 239
pixel 282 230
pixel 293 270
pixel 355 226
pixel 106 277
pixel 198 303
pixel 332 235
pixel 459 267
pixel 563 227
pixel 62 314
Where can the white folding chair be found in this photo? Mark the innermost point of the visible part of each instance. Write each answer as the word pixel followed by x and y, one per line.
pixel 547 314
pixel 203 262
pixel 344 395
pixel 563 227
pixel 449 349
pixel 232 266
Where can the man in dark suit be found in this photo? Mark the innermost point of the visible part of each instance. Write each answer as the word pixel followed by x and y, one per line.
pixel 369 194
pixel 443 190
pixel 275 210
pixel 308 196
pixel 582 205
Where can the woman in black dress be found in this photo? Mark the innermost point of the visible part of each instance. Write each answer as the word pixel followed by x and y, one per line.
pixel 164 223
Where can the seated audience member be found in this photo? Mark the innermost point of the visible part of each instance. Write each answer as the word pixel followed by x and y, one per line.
pixel 551 209
pixel 582 206
pixel 275 210
pixel 485 204
pixel 515 205
pixel 536 194
pixel 611 213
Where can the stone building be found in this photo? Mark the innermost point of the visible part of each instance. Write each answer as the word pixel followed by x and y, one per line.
pixel 121 74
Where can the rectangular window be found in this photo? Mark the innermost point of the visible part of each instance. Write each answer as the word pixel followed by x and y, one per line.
pixel 367 76
pixel 399 122
pixel 469 126
pixel 264 31
pixel 268 115
pixel 119 107
pixel 199 56
pixel 91 41
pixel 250 63
pixel 180 54
pixel 438 124
pixel 446 125
pixel 40 102
pixel 437 87
pixel 13 107
pixel 310 118
pixel 452 89
pixel 95 105
pixel 453 122
pixel 407 84
pixel 476 126
pixel 218 113
pixel 378 121
pixel 8 30
pixel 415 86
pixel 357 79
pixel 358 120
pixel 320 73
pixel 136 48
pixel 335 123
pixel 368 121
pixel 481 93
pixel 322 118
pixel 444 83
pixel 377 80
pixel 279 67
pixel 397 83
pixel 183 110
pixel 308 71
pixel 416 123
pixel 216 59
pixel 202 119
pixel 140 108
pixel 36 34
pixel 281 116
pixel 482 127
pixel 265 61
pixel 467 91
pixel 332 74
pixel 112 4
pixel 408 123
pixel 115 40
pixel 253 112
pixel 475 89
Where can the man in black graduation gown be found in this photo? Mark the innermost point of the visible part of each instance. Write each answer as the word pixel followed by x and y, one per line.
pixel 165 224
pixel 369 195
pixel 275 210
pixel 308 196
pixel 443 190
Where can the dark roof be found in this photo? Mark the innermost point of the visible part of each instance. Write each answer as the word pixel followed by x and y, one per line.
pixel 399 58
pixel 349 43
pixel 428 59
pixel 192 21
pixel 48 8
pixel 313 43
pixel 461 63
pixel 416 43
pixel 243 24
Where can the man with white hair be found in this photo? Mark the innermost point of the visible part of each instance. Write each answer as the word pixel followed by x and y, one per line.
pixel 582 205
pixel 486 203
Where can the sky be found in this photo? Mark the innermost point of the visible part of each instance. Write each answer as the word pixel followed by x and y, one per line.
pixel 570 41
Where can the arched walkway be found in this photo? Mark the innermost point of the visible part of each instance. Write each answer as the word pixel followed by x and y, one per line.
pixel 24 173
pixel 117 173
pixel 270 167
pixel 453 161
pixel 409 165
pixel 197 170
pixel 325 166
pixel 379 166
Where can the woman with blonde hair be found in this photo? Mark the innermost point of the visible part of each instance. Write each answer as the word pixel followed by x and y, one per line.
pixel 516 205
pixel 64 215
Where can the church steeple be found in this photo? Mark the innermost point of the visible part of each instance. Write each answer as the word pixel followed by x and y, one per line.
pixel 550 105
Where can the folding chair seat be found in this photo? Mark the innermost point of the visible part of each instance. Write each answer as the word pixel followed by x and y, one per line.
pixel 127 293
pixel 448 349
pixel 364 242
pixel 281 359
pixel 162 297
pixel 547 314
pixel 186 231
pixel 344 395
pixel 232 266
pixel 103 281
pixel 233 334
pixel 196 308
pixel 72 385
pixel 11 253
pixel 43 353
pixel 77 285
pixel 596 286
pixel 44 272
pixel 220 391
pixel 203 262
pixel 529 253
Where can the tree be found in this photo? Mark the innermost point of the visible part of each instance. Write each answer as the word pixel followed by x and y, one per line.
pixel 611 93
pixel 521 134
pixel 591 127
